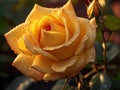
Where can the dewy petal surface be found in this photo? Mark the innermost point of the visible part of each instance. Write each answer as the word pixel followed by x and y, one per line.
pixel 79 65
pixel 23 63
pixel 50 38
pixel 61 66
pixel 91 37
pixel 42 64
pixel 71 44
pixel 37 12
pixel 22 46
pixel 69 7
pixel 69 72
pixel 14 35
pixel 83 35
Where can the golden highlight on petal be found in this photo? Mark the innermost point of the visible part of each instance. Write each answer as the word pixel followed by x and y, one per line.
pixel 14 35
pixel 71 44
pixel 37 12
pixel 69 7
pixel 22 46
pixel 23 63
pixel 51 39
pixel 51 77
pixel 42 64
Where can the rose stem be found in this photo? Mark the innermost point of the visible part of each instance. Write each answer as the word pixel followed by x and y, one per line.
pixel 104 42
pixel 66 81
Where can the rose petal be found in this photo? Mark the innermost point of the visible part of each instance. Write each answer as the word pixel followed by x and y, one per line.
pixel 22 46
pixel 72 43
pixel 68 34
pixel 80 46
pixel 77 67
pixel 93 23
pixel 50 38
pixel 37 50
pixel 54 23
pixel 37 12
pixel 90 54
pixel 69 7
pixel 83 35
pixel 61 66
pixel 29 45
pixel 91 33
pixel 70 72
pixel 33 28
pixel 42 64
pixel 23 63
pixel 51 77
pixel 45 53
pixel 14 35
pixel 91 38
pixel 90 28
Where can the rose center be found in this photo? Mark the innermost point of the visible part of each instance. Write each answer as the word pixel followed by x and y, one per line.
pixel 47 27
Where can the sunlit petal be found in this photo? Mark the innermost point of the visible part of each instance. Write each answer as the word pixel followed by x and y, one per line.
pixel 49 38
pixel 22 46
pixel 23 63
pixel 14 35
pixel 37 12
pixel 42 64
pixel 71 44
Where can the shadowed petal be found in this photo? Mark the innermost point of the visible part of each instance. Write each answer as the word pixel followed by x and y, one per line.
pixel 70 71
pixel 90 54
pixel 61 66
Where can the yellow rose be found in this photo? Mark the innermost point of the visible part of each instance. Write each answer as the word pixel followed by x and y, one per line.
pixel 53 43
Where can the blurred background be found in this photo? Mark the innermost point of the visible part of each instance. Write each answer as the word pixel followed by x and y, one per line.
pixel 14 12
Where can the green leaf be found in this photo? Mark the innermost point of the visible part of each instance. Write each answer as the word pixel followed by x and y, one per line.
pixel 112 22
pixel 100 81
pixel 112 52
pixel 99 52
pixel 99 49
pixel 99 35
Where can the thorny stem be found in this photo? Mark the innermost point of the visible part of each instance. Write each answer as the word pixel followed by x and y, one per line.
pixel 78 85
pixel 79 81
pixel 66 81
pixel 93 71
pixel 104 42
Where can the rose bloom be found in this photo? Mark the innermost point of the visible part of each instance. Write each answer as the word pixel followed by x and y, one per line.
pixel 53 43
